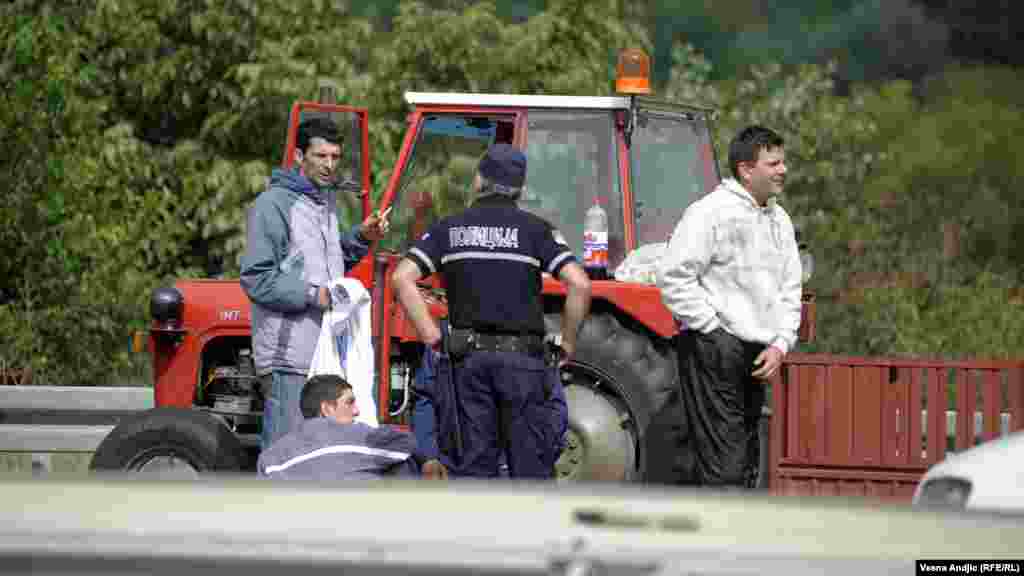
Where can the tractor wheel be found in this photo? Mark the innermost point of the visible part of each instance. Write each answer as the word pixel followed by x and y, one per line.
pixel 601 442
pixel 619 381
pixel 170 443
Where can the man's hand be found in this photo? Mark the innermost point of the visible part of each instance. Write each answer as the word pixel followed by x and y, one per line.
pixel 434 470
pixel 375 226
pixel 323 297
pixel 769 361
pixel 432 338
pixel 568 347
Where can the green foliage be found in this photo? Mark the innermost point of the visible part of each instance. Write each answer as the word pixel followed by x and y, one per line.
pixel 876 178
pixel 50 322
pixel 978 318
pixel 946 213
pixel 959 163
pixel 871 39
pixel 567 49
pixel 137 132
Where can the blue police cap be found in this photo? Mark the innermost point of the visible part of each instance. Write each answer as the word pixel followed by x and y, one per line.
pixel 504 164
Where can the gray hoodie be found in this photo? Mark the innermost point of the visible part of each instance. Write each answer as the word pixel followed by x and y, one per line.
pixel 293 243
pixel 324 449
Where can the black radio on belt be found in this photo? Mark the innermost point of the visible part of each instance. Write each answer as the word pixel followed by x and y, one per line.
pixel 462 341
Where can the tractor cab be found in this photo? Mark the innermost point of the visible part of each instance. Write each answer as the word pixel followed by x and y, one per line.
pixel 640 160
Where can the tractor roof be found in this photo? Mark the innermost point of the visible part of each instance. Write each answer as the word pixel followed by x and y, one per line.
pixel 516 100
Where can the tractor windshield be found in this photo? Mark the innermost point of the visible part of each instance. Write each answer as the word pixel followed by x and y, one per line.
pixel 672 165
pixel 437 178
pixel 571 165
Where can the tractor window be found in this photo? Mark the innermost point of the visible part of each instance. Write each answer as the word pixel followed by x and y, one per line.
pixel 571 163
pixel 672 165
pixel 438 176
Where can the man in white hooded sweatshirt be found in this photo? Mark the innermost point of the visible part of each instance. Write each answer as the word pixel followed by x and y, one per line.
pixel 731 277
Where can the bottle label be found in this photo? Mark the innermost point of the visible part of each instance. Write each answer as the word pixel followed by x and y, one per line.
pixel 595 249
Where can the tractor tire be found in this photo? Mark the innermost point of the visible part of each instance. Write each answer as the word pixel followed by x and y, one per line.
pixel 170 442
pixel 600 445
pixel 620 380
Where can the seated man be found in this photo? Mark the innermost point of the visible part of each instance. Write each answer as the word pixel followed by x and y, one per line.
pixel 330 445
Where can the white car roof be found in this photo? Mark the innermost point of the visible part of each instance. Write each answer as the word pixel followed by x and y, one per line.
pixel 516 100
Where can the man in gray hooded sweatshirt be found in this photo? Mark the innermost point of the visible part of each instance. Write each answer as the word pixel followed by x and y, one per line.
pixel 330 445
pixel 294 248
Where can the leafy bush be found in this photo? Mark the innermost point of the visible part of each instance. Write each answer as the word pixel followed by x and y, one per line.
pixel 137 131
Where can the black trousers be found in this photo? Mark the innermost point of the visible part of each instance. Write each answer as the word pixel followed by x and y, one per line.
pixel 720 405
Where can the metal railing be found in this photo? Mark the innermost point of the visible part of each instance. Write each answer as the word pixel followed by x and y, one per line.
pixel 64 418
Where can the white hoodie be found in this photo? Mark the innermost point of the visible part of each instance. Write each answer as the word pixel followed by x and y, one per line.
pixel 734 264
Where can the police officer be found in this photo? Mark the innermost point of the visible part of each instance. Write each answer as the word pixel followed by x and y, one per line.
pixel 491 257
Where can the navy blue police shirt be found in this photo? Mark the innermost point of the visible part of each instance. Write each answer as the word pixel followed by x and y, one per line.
pixel 491 257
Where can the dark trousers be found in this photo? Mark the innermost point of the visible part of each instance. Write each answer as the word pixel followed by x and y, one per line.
pixel 721 405
pixel 499 400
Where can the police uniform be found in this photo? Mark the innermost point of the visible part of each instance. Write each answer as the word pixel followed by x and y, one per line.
pixel 426 413
pixel 491 257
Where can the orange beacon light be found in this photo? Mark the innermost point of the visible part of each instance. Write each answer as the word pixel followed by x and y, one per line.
pixel 633 72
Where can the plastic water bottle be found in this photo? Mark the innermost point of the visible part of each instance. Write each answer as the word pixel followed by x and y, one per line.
pixel 595 241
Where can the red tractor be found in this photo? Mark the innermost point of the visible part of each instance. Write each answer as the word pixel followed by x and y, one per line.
pixel 643 160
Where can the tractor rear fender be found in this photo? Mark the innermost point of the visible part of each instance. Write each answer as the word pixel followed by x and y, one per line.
pixel 641 302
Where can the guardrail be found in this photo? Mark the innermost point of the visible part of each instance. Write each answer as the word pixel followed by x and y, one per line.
pixel 42 420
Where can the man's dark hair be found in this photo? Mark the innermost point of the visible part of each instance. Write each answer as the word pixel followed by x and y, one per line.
pixel 318 127
pixel 321 388
pixel 748 144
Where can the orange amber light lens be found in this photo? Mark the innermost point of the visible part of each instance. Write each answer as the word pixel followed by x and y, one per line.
pixel 633 72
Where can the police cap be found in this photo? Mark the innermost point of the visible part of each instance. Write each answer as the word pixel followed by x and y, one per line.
pixel 504 164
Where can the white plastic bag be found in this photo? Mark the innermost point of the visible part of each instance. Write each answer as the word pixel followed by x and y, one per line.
pixel 326 359
pixel 348 322
pixel 641 265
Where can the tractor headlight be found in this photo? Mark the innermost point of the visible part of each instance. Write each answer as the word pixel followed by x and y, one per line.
pixel 945 492
pixel 165 306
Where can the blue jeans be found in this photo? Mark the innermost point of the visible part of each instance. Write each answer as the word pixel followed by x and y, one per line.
pixel 281 410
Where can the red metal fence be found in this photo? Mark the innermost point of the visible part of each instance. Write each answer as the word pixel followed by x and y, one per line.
pixel 873 426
